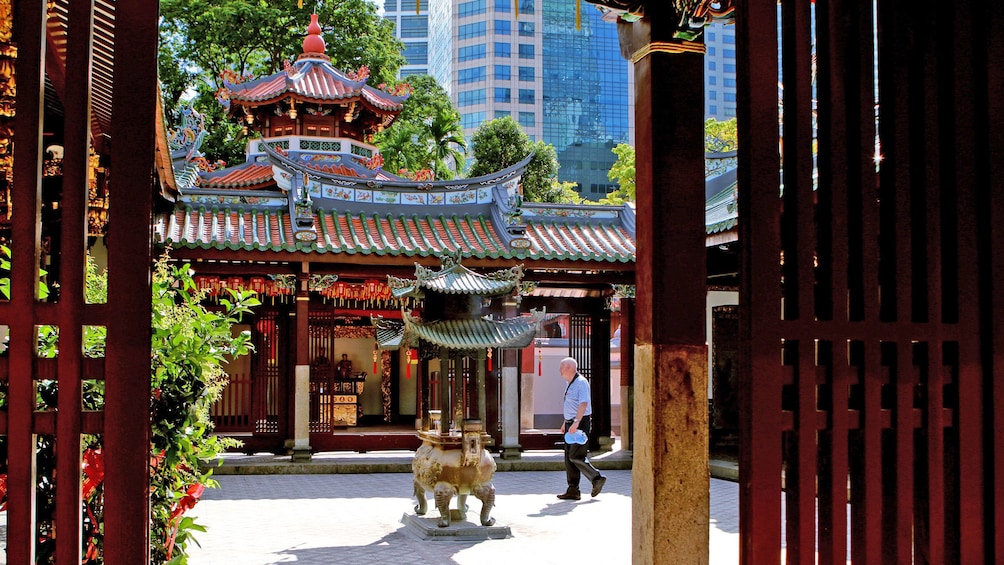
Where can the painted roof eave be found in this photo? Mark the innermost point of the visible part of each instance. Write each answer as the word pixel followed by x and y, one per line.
pixel 280 160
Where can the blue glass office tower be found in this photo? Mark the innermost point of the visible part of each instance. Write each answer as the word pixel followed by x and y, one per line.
pixel 566 86
pixel 588 95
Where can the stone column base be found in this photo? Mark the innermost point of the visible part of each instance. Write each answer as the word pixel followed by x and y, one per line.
pixel 512 452
pixel 301 454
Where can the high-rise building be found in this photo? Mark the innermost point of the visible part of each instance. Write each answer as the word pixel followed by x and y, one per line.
pixel 411 25
pixel 720 72
pixel 561 77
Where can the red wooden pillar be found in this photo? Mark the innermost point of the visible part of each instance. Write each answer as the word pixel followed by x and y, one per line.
pixel 299 412
pixel 71 257
pixel 627 373
pixel 760 468
pixel 127 421
pixel 671 431
pixel 21 312
pixel 995 178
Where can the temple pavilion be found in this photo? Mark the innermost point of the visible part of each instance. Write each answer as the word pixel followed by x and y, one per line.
pixel 313 223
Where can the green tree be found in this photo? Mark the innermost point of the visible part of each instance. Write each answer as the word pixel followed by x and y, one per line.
pixel 200 40
pixel 427 133
pixel 622 172
pixel 720 136
pixel 501 143
pixel 447 143
pixel 400 148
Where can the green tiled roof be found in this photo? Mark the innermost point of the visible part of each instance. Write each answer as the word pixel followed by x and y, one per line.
pixel 424 233
pixel 476 333
pixel 458 279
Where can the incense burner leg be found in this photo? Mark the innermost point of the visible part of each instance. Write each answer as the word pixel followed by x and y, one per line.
pixel 462 506
pixel 486 494
pixel 444 494
pixel 422 505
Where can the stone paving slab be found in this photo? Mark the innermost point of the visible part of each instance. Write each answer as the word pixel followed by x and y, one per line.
pixel 356 519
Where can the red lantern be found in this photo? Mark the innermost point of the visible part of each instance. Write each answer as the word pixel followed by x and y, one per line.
pixel 258 284
pixel 489 359
pixel 374 361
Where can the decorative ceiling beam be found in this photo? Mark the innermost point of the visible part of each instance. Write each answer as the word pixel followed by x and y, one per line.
pixel 694 15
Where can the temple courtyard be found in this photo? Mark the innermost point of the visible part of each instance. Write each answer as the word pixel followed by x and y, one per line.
pixel 357 518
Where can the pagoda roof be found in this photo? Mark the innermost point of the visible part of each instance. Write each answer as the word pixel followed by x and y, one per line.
pixel 455 278
pixel 245 175
pixel 244 220
pixel 312 78
pixel 478 333
pixel 721 208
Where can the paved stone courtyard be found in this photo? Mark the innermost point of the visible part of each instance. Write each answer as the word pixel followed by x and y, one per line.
pixel 357 519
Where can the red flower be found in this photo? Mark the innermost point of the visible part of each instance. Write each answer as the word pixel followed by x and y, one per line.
pixel 187 502
pixel 94 471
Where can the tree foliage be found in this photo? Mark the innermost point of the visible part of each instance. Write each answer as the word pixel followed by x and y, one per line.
pixel 201 40
pixel 501 143
pixel 622 172
pixel 720 136
pixel 427 134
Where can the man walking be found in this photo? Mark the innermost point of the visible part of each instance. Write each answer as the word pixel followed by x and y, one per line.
pixel 577 411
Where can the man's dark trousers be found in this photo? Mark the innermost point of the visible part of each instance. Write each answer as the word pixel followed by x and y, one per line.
pixel 575 458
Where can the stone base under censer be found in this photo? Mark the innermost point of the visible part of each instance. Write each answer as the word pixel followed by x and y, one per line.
pixel 458 530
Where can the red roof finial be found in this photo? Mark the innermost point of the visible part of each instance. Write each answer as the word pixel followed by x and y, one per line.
pixel 313 43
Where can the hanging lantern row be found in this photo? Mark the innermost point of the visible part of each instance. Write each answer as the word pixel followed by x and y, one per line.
pixel 279 285
pixel 372 291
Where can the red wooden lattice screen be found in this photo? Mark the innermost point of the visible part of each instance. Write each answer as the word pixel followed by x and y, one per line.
pixel 868 285
pixel 125 420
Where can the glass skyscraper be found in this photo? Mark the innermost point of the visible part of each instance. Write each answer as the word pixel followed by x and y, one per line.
pixel 720 72
pixel 566 86
pixel 411 26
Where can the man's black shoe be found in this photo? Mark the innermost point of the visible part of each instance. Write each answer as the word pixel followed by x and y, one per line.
pixel 598 485
pixel 570 495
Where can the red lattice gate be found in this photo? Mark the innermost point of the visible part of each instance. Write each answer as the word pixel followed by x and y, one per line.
pixel 870 312
pixel 126 107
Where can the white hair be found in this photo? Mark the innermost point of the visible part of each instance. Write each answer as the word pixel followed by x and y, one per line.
pixel 570 361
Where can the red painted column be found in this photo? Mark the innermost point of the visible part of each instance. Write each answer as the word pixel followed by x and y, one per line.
pixel 298 409
pixel 73 239
pixel 995 178
pixel 20 313
pixel 127 410
pixel 760 448
pixel 670 426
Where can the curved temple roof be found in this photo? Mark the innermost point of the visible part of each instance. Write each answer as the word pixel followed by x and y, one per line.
pixel 312 79
pixel 356 209
pixel 455 278
pixel 323 195
pixel 476 334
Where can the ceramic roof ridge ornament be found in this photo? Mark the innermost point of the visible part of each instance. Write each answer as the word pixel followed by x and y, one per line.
pixel 313 43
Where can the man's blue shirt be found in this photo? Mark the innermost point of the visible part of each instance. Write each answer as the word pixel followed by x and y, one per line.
pixel 577 393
